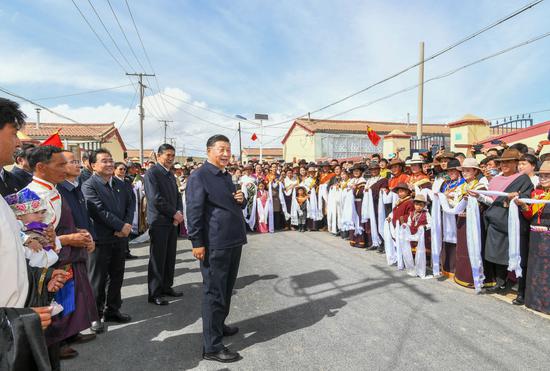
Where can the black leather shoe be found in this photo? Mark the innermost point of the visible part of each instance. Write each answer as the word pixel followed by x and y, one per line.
pixel 173 293
pixel 83 338
pixel 130 256
pixel 229 331
pixel 98 327
pixel 224 356
pixel 158 301
pixel 66 352
pixel 116 317
pixel 519 300
pixel 496 289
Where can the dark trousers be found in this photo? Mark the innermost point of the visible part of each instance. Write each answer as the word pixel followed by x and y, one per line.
pixel 219 273
pixel 162 259
pixel 106 265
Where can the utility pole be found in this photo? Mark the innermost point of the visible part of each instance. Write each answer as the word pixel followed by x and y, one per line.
pixel 38 117
pixel 165 127
pixel 261 117
pixel 420 93
pixel 240 145
pixel 141 110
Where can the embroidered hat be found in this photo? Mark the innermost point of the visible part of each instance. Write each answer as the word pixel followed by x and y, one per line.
pixel 25 202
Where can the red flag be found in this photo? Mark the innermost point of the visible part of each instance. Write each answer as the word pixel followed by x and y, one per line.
pixel 374 138
pixel 53 140
pixel 254 136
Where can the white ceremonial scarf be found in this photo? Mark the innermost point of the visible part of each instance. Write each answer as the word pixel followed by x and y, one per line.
pixel 332 210
pixel 323 195
pixel 348 210
pixel 473 238
pixel 449 220
pixel 390 243
pixel 514 258
pixel 368 213
pixel 436 237
pixel 295 211
pixel 415 266
pixel 271 223
pixel 13 275
pixel 284 206
pixel 249 219
pixel 312 207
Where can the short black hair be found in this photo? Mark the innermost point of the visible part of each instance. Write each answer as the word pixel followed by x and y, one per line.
pixel 459 154
pixel 42 154
pixel 216 138
pixel 118 163
pixel 487 159
pixel 376 155
pixel 532 159
pixel 522 148
pixel 93 154
pixel 10 113
pixel 165 147
pixel 24 151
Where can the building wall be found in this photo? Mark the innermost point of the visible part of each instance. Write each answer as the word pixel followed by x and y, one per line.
pixel 300 145
pixel 115 148
pixel 331 145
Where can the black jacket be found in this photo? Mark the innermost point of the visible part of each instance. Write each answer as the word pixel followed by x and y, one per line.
pixel 109 209
pixel 85 174
pixel 22 176
pixel 163 197
pixel 9 184
pixel 214 219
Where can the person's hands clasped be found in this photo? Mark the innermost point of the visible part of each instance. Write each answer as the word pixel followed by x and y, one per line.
pixel 79 239
pixel 34 245
pixel 50 233
pixel 239 196
pixel 56 283
pixel 125 231
pixel 199 253
pixel 178 218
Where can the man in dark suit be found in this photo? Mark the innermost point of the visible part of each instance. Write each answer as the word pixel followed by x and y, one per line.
pixel 112 210
pixel 164 213
pixel 9 183
pixel 217 231
pixel 22 169
pixel 86 171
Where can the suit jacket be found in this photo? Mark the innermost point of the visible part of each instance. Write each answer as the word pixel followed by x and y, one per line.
pixel 75 199
pixel 109 208
pixel 85 174
pixel 23 177
pixel 214 219
pixel 9 184
pixel 163 197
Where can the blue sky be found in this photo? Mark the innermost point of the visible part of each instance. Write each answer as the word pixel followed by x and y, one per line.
pixel 283 58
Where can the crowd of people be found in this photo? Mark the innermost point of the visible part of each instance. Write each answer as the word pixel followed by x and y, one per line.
pixel 479 218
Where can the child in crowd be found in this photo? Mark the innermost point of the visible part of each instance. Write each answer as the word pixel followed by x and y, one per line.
pixel 30 210
pixel 262 208
pixel 302 197
pixel 419 217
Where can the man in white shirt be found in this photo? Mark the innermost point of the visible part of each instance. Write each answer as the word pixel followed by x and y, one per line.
pixel 13 268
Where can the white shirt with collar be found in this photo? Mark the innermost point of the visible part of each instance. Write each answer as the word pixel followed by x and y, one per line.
pixel 13 274
pixel 48 192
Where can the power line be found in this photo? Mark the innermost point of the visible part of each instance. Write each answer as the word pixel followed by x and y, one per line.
pixel 524 113
pixel 82 93
pixel 129 109
pixel 446 74
pixel 39 105
pixel 146 54
pixel 433 56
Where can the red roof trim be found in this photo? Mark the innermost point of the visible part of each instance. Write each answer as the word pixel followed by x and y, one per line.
pixel 518 135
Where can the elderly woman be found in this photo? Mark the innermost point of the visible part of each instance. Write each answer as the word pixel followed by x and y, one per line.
pixel 537 287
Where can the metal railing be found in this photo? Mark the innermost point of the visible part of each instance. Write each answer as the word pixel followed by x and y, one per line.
pixel 510 124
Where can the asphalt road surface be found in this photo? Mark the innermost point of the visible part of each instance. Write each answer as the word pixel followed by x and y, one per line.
pixel 307 301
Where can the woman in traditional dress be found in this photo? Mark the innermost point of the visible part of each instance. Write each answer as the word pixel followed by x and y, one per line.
pixel 289 183
pixel 496 219
pixel 301 199
pixel 537 288
pixel 311 183
pixel 374 184
pixel 463 270
pixel 262 208
pixel 357 184
pixel 451 190
pixel 344 188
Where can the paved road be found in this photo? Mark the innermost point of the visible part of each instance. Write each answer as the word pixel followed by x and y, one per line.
pixel 307 301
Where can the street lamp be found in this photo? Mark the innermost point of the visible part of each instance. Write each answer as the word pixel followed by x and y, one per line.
pixel 261 117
